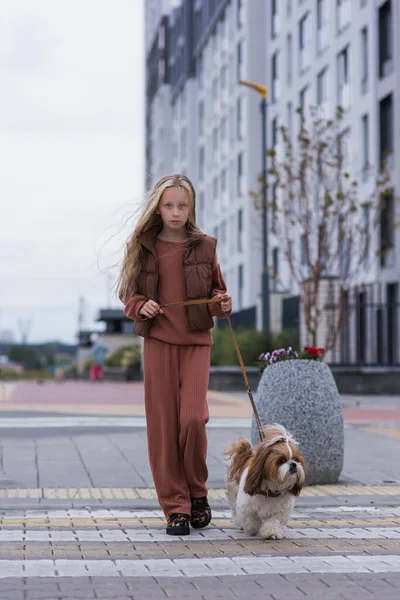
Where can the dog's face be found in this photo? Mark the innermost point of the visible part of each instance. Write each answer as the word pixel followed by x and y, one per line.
pixel 277 467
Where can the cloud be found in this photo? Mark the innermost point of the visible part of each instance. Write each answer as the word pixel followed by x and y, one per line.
pixel 70 65
pixel 71 150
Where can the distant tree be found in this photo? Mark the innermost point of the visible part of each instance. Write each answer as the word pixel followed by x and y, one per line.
pixel 27 356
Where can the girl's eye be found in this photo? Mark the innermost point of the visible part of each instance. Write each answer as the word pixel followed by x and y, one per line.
pixel 182 206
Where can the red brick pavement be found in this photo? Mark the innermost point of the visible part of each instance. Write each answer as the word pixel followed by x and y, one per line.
pixel 115 398
pixel 83 393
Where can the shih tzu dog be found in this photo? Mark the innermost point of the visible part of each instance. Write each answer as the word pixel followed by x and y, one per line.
pixel 263 481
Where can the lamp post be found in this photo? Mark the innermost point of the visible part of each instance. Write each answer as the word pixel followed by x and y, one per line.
pixel 262 90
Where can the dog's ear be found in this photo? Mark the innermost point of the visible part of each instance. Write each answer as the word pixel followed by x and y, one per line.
pixel 252 484
pixel 299 485
pixel 296 489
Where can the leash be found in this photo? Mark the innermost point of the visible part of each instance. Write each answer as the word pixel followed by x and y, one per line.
pixel 218 299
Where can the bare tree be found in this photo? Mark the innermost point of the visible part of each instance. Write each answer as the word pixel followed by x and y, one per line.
pixel 323 223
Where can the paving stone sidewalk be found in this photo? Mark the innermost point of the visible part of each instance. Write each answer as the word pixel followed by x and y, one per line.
pixel 79 519
pixel 84 459
pixel 340 552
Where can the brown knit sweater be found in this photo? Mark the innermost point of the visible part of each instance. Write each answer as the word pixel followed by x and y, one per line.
pixel 170 326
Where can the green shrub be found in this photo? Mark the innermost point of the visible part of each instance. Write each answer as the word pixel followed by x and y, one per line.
pixel 125 356
pixel 252 343
pixel 10 375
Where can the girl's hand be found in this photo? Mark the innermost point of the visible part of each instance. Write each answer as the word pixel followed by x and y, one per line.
pixel 226 304
pixel 150 309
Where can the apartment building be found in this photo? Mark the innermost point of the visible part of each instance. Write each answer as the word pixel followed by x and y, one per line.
pixel 329 53
pixel 212 128
pixel 202 122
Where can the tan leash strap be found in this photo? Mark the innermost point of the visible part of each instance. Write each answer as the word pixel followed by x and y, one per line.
pixel 239 354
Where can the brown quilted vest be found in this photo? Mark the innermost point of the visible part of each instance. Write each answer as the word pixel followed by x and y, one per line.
pixel 197 267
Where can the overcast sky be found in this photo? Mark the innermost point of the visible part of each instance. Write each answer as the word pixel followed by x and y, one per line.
pixel 71 155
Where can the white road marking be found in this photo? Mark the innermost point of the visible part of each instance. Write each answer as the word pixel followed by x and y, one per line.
pixel 200 567
pixel 384 511
pixel 62 422
pixel 213 533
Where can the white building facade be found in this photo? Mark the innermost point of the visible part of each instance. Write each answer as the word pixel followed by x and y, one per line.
pixel 214 126
pixel 329 53
pixel 202 122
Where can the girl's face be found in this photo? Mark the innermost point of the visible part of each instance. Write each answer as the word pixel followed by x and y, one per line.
pixel 174 208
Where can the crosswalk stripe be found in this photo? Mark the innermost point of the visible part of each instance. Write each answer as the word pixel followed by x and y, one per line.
pixel 211 534
pixel 113 514
pixel 200 567
pixel 123 422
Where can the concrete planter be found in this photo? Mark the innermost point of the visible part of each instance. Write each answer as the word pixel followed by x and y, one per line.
pixel 302 395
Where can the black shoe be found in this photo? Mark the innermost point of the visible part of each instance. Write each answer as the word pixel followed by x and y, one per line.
pixel 201 513
pixel 178 524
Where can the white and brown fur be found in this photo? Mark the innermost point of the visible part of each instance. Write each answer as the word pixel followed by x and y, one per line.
pixel 263 481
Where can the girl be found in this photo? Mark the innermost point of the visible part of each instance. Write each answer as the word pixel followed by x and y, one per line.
pixel 168 259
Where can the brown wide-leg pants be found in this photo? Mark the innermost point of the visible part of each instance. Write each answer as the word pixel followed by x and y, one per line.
pixel 175 382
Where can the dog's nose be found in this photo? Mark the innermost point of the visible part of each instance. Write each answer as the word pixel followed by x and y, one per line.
pixel 293 467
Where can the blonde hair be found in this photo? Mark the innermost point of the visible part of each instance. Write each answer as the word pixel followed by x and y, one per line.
pixel 149 218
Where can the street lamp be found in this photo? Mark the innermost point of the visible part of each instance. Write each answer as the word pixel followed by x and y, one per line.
pixel 262 90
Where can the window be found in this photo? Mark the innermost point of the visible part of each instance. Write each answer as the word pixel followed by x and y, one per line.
pixel 240 286
pixel 274 18
pixel 161 70
pixel 387 229
pixel 322 24
pixel 303 250
pixel 275 269
pixel 239 14
pixel 274 208
pixel 289 111
pixel 232 236
pixel 215 141
pixel 322 91
pixel 365 144
pixel 274 132
pixel 289 59
pixel 223 180
pixel 342 14
pixel 304 42
pixel 200 71
pixel 239 61
pixel 200 204
pixel 223 240
pixel 385 39
pixel 183 144
pixel 344 79
pixel 304 102
pixel 386 126
pixel 201 164
pixel 366 231
pixel 183 103
pixel 223 82
pixel 215 93
pixel 240 230
pixel 288 8
pixel 364 60
pixel 239 127
pixel 275 83
pixel 215 188
pixel 224 136
pixel 240 174
pixel 344 150
pixel 201 117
